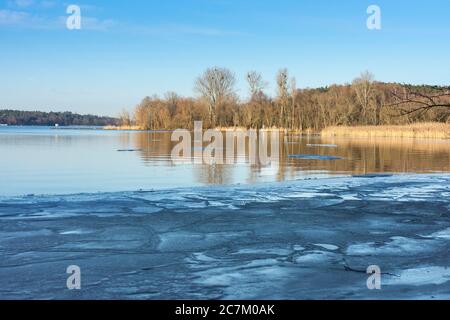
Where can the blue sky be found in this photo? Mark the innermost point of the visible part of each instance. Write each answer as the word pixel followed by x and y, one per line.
pixel 127 50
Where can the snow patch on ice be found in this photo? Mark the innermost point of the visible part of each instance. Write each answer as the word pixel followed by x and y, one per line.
pixel 318 258
pixel 444 234
pixel 397 246
pixel 422 276
pixel 75 232
pixel 327 246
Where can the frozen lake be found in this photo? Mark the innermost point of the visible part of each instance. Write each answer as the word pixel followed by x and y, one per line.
pixel 294 240
pixel 300 229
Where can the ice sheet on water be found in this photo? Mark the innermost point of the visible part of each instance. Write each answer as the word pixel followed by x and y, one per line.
pixel 313 157
pixel 279 240
pixel 323 145
pixel 372 175
pixel 176 241
pixel 129 150
pixel 250 279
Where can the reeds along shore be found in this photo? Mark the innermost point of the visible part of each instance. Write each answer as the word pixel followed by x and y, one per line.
pixel 123 127
pixel 223 129
pixel 417 130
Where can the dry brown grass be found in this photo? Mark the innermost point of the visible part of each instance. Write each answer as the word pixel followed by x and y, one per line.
pixel 418 130
pixel 232 129
pixel 131 128
pixel 223 129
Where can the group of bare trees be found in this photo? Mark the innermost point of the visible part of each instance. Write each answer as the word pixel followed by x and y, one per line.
pixel 363 102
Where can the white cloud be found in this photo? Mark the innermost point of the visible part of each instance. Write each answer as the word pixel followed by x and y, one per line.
pixel 31 3
pixel 22 19
pixel 13 18
pixel 22 3
pixel 40 20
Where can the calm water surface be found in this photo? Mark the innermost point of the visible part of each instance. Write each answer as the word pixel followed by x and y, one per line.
pixel 42 160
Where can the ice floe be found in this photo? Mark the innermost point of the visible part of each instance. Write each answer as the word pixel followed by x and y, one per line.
pixel 313 157
pixel 323 145
pixel 327 246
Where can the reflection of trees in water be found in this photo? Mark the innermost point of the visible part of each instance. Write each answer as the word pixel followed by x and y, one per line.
pixel 126 140
pixel 154 147
pixel 363 155
pixel 214 174
pixel 360 155
pixel 393 155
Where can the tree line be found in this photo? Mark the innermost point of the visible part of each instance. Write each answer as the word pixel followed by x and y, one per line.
pixel 362 102
pixel 38 118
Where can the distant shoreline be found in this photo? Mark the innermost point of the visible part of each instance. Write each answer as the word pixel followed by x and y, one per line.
pixel 39 118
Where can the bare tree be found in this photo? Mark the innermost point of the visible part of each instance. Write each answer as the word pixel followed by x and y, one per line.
pixel 216 85
pixel 256 84
pixel 410 100
pixel 125 118
pixel 283 94
pixel 293 102
pixel 172 99
pixel 364 88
